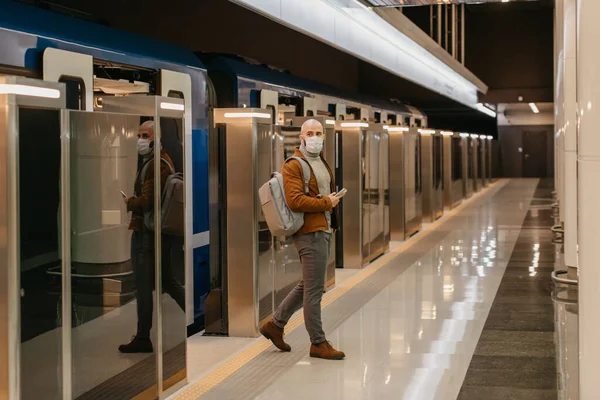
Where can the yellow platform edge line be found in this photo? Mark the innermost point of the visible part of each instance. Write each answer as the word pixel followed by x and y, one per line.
pixel 214 378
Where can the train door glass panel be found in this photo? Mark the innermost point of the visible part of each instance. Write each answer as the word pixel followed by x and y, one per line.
pixel 264 143
pixel 288 268
pixel 173 316
pixel 375 199
pixel 411 178
pixel 438 159
pixel 339 173
pixel 480 160
pixel 470 163
pixel 39 157
pixel 457 172
pixel 366 206
pixel 112 257
pixel 384 186
pixel 419 178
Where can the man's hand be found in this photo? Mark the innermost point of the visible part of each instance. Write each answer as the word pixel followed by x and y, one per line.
pixel 334 200
pixel 127 200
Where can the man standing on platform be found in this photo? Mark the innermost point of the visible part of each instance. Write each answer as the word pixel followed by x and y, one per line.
pixel 313 242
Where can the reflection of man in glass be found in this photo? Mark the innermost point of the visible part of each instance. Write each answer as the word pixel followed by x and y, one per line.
pixel 142 242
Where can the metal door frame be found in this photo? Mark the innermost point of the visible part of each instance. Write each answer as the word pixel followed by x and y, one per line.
pixel 351 132
pixel 18 92
pixel 241 275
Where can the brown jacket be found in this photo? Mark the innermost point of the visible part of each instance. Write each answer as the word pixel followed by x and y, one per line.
pixel 144 194
pixel 313 208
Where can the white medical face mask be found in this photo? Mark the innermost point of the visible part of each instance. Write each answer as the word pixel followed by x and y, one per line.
pixel 314 144
pixel 143 147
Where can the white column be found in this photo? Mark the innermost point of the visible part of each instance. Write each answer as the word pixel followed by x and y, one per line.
pixel 558 109
pixel 569 129
pixel 588 161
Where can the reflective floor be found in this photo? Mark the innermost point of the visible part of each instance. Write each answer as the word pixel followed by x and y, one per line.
pixel 465 312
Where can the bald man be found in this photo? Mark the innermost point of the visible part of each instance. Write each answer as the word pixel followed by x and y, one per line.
pixel 142 242
pixel 313 242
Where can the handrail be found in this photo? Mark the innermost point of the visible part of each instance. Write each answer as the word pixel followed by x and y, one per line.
pixel 52 271
pixel 558 299
pixel 565 281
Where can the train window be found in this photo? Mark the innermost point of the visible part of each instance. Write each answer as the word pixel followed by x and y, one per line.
pixel 273 113
pixel 418 122
pixel 75 90
pixel 353 112
pixel 172 134
pixel 407 120
pixel 291 140
pixel 378 117
pixel 176 94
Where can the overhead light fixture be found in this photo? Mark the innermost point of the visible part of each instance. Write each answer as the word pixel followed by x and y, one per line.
pixel 330 122
pixel 355 125
pixel 447 133
pixel 426 131
pixel 464 135
pixel 485 110
pixel 397 128
pixel 474 136
pixel 28 90
pixel 246 115
pixel 534 108
pixel 172 106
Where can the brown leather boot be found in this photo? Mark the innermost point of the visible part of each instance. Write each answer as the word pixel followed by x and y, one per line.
pixel 275 335
pixel 326 351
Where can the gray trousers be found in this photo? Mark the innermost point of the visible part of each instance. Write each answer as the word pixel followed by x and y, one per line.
pixel 313 249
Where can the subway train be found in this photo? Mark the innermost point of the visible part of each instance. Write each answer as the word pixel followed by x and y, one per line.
pixel 69 152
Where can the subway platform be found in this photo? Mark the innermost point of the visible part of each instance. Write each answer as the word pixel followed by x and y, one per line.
pixel 465 309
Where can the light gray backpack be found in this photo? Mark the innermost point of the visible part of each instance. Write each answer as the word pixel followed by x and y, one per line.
pixel 172 204
pixel 280 219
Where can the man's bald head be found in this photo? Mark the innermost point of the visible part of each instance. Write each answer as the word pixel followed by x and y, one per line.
pixel 146 130
pixel 311 128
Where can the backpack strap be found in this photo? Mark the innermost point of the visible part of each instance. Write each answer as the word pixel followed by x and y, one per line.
pixel 305 171
pixel 147 164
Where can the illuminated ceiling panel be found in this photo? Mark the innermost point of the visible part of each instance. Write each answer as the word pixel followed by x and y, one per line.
pixel 402 3
pixel 355 29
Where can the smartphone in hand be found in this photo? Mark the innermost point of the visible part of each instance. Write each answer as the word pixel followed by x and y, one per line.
pixel 341 193
pixel 123 194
